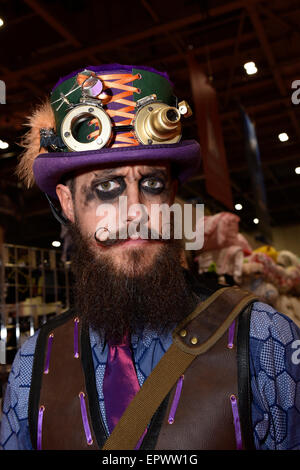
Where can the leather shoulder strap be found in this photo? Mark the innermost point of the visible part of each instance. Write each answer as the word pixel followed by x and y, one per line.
pixel 189 342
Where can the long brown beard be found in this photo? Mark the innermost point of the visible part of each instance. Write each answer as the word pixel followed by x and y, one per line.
pixel 113 303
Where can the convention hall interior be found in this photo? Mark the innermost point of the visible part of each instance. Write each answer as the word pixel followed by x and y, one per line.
pixel 237 64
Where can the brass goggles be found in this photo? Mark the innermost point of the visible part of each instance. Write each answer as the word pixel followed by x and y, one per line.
pixel 154 122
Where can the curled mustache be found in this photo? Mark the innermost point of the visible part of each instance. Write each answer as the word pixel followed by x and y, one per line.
pixel 104 238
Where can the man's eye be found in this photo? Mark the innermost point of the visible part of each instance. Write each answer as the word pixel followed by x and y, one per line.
pixel 109 189
pixel 153 184
pixel 107 186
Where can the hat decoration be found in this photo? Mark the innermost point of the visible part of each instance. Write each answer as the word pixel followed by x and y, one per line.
pixel 106 114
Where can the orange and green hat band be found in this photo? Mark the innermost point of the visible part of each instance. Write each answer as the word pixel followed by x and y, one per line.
pixel 121 89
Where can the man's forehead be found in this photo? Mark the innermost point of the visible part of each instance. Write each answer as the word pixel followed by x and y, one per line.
pixel 125 169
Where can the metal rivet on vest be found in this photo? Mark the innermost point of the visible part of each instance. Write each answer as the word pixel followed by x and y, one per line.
pixel 183 333
pixel 194 340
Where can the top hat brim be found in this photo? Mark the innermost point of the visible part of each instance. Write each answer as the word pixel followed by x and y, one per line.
pixel 50 168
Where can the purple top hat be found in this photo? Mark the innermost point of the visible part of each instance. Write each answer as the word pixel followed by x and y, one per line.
pixel 114 114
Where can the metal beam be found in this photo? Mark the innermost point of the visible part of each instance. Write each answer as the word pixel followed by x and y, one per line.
pixel 53 22
pixel 257 108
pixel 278 18
pixel 238 167
pixel 213 47
pixel 125 40
pixel 262 36
pixel 234 59
pixel 171 38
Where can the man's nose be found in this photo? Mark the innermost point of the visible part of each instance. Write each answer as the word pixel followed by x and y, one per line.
pixel 135 209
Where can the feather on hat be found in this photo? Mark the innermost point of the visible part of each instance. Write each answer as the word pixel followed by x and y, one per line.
pixel 42 118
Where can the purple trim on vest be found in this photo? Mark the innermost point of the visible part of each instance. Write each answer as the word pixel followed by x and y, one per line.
pixel 237 423
pixel 39 427
pixel 111 68
pixel 76 348
pixel 231 331
pixel 141 440
pixel 50 341
pixel 175 400
pixel 85 420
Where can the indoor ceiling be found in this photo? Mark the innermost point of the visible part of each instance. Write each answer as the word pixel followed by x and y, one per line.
pixel 42 40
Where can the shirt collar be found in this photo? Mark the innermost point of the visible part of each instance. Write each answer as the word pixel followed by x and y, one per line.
pixel 145 336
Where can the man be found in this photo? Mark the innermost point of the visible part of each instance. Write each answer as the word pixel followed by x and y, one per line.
pixel 226 379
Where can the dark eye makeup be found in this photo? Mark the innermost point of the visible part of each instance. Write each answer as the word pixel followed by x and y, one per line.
pixel 109 188
pixel 113 187
pixel 152 184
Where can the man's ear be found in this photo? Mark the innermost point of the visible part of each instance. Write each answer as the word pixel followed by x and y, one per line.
pixel 66 201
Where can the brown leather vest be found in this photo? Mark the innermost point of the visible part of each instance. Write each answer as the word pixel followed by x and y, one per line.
pixel 203 419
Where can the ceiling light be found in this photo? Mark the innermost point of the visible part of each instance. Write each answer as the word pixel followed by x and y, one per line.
pixel 1 22
pixel 238 207
pixel 297 170
pixel 250 68
pixel 256 220
pixel 56 244
pixel 283 137
pixel 3 145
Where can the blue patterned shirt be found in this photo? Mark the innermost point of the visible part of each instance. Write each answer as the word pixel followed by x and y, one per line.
pixel 274 368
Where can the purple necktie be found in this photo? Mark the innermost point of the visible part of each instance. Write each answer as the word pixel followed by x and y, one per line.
pixel 120 381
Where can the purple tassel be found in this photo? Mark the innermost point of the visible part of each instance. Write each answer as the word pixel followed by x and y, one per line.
pixel 50 341
pixel 231 335
pixel 237 424
pixel 85 420
pixel 175 400
pixel 39 429
pixel 76 349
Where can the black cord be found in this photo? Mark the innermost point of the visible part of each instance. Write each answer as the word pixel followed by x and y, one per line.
pixel 116 129
pixel 56 212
